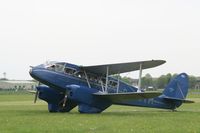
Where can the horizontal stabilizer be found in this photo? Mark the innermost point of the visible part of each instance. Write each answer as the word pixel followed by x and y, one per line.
pixel 178 99
pixel 188 101
pixel 119 97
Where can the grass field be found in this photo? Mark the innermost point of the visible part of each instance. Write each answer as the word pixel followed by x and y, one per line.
pixel 18 114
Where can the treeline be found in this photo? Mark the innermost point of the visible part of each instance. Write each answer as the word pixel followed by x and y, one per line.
pixel 158 83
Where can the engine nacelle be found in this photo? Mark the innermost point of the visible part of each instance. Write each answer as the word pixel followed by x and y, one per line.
pixel 81 94
pixel 49 95
pixel 76 95
pixel 85 99
pixel 55 99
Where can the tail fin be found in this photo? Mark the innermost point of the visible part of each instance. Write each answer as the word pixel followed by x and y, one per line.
pixel 176 91
pixel 177 88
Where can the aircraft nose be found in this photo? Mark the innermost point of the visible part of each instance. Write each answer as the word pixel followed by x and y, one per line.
pixel 33 69
pixel 40 74
pixel 35 72
pixel 30 71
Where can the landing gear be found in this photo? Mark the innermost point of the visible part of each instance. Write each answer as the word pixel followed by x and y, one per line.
pixel 174 110
pixel 53 108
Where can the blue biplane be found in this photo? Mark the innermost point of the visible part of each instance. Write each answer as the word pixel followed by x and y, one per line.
pixel 93 88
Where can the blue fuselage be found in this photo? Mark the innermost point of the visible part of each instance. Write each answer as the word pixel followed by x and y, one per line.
pixel 57 79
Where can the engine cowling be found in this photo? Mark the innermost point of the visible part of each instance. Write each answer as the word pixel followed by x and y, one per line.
pixel 49 95
pixel 55 99
pixel 85 99
pixel 76 95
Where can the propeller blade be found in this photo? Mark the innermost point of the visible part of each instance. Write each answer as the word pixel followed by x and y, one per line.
pixel 64 100
pixel 36 96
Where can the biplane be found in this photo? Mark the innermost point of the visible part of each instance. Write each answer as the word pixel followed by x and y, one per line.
pixel 94 88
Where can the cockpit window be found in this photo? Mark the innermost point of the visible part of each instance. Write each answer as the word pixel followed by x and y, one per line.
pixel 51 67
pixel 58 67
pixel 62 67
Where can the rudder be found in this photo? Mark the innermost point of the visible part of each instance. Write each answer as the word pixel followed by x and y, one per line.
pixel 178 87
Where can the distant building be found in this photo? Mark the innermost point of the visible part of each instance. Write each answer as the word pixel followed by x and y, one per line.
pixel 134 82
pixel 17 85
pixel 197 85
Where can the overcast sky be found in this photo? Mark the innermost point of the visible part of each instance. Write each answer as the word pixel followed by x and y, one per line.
pixel 90 32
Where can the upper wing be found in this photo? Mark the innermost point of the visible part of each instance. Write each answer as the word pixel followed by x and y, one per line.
pixel 119 97
pixel 122 67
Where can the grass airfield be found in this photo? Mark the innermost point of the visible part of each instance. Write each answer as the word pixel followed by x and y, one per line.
pixel 18 114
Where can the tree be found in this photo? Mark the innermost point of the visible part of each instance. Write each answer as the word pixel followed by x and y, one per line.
pixel 192 81
pixel 160 82
pixel 163 80
pixel 168 78
pixel 147 81
pixel 127 80
pixel 174 75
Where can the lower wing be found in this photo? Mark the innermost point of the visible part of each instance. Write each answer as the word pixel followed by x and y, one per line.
pixel 119 97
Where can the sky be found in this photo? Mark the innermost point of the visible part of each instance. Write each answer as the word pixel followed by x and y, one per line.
pixel 93 32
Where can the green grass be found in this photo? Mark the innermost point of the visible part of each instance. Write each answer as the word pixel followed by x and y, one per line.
pixel 18 114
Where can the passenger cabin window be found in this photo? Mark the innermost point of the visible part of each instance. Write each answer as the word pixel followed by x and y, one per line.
pixel 93 78
pixel 79 74
pixel 61 67
pixel 113 83
pixel 69 70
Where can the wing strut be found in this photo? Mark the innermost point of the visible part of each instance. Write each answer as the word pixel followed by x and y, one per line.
pixel 102 87
pixel 140 78
pixel 118 82
pixel 87 79
pixel 107 74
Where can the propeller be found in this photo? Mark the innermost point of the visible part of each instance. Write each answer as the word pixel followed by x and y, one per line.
pixel 36 94
pixel 64 100
pixel 68 93
pixel 65 97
